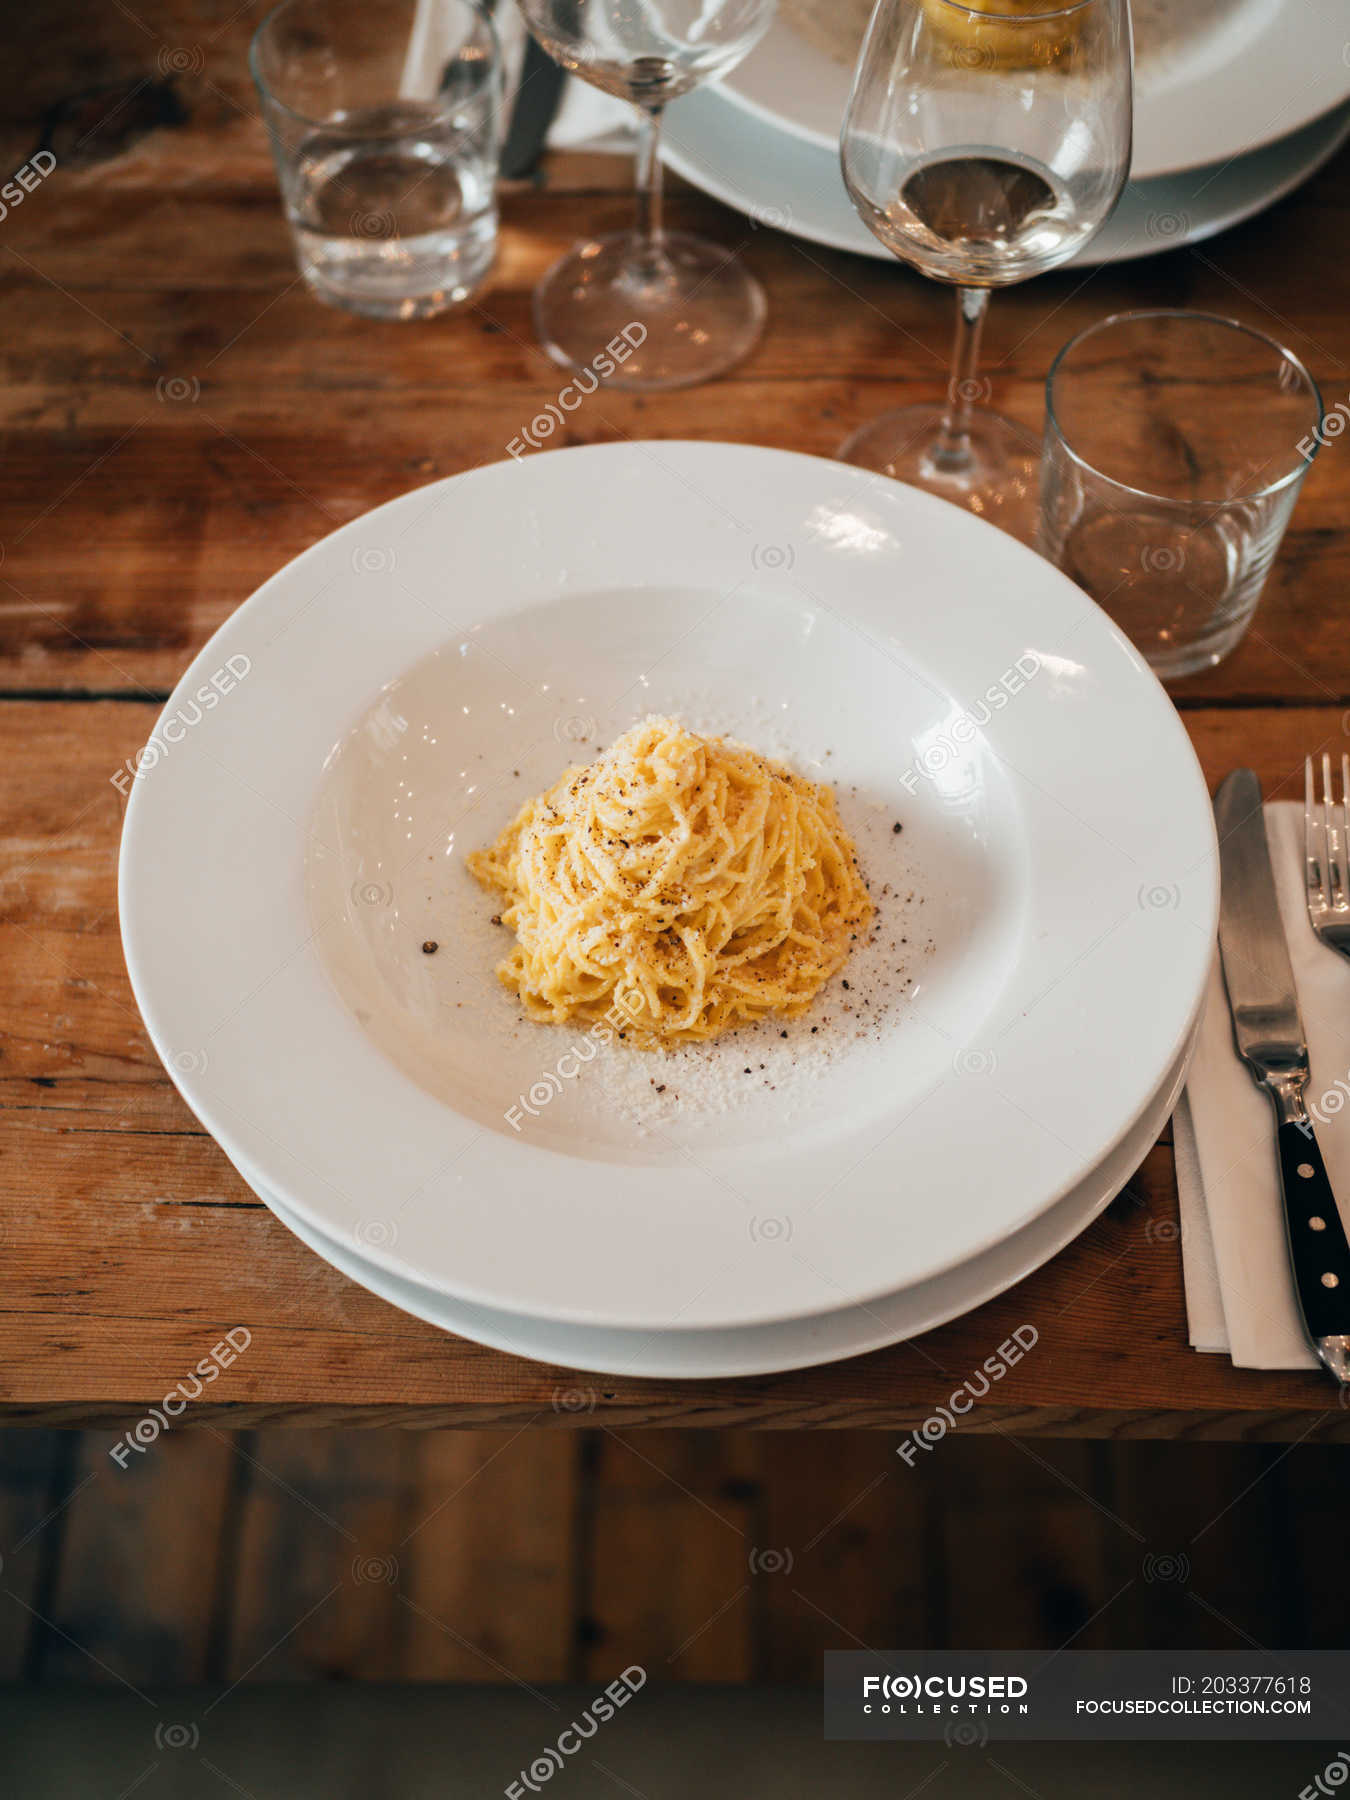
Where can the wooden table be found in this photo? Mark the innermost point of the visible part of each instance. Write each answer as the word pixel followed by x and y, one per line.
pixel 181 418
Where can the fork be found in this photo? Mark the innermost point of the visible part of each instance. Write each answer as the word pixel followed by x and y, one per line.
pixel 1326 834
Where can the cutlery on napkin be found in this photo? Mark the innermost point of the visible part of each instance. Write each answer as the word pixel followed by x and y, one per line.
pixel 1240 1293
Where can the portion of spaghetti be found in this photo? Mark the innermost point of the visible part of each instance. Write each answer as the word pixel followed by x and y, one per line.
pixel 689 881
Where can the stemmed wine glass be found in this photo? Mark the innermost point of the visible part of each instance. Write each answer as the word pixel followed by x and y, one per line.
pixel 983 144
pixel 700 310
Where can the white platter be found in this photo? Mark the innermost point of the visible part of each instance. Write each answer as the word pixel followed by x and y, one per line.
pixel 1244 74
pixel 1056 827
pixel 794 185
pixel 765 1349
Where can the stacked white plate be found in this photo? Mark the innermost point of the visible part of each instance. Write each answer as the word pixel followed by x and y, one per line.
pixel 1236 103
pixel 1007 1047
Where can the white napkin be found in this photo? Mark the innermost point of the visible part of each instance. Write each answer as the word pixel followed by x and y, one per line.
pixel 1239 1290
pixel 589 119
pixel 1199 1267
pixel 586 118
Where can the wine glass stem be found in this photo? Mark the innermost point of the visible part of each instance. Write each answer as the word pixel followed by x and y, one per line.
pixel 951 452
pixel 650 257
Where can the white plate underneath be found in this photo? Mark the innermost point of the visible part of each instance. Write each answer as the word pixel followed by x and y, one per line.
pixel 794 185
pixel 766 1349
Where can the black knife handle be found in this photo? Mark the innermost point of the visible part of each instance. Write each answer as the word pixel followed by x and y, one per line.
pixel 1317 1248
pixel 538 96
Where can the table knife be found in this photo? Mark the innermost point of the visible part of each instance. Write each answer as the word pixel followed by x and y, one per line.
pixel 538 96
pixel 1268 1032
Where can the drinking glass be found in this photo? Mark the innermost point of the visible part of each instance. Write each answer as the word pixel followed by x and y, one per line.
pixel 983 145
pixel 384 121
pixel 700 310
pixel 1175 447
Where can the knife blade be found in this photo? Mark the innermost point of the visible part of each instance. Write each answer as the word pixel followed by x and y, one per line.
pixel 537 100
pixel 1268 1032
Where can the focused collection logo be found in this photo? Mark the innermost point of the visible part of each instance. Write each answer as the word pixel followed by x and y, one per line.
pixel 984 1696
pixel 974 1698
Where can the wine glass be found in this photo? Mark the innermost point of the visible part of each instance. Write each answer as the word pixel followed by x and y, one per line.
pixel 983 144
pixel 700 310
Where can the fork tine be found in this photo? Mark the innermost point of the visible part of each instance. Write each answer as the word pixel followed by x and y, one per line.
pixel 1313 842
pixel 1335 843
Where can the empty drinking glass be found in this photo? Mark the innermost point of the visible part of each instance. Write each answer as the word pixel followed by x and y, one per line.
pixel 1175 447
pixel 384 117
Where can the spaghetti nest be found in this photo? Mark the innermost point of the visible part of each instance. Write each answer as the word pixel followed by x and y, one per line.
pixel 686 881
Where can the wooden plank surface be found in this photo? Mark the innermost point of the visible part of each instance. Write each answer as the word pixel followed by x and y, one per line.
pixel 679 1507
pixel 491 1557
pixel 37 1483
pixel 140 1563
pixel 314 1559
pixel 489 1548
pixel 852 1552
pixel 179 418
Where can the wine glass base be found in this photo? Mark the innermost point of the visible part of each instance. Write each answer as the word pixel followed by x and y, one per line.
pixel 689 315
pixel 999 481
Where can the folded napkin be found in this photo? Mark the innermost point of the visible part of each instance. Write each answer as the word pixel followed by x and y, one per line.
pixel 1239 1291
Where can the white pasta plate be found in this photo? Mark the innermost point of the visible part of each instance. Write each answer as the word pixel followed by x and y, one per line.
pixel 1046 911
pixel 1213 78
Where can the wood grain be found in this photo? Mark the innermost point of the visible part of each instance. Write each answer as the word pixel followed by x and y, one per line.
pixel 680 1507
pixel 37 1483
pixel 178 419
pixel 140 1564
pixel 1205 1554
pixel 851 1552
pixel 1046 1540
pixel 488 1548
pixel 705 1555
pixel 315 1561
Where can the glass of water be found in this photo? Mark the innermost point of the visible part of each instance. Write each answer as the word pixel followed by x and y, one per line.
pixel 384 119
pixel 1175 447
